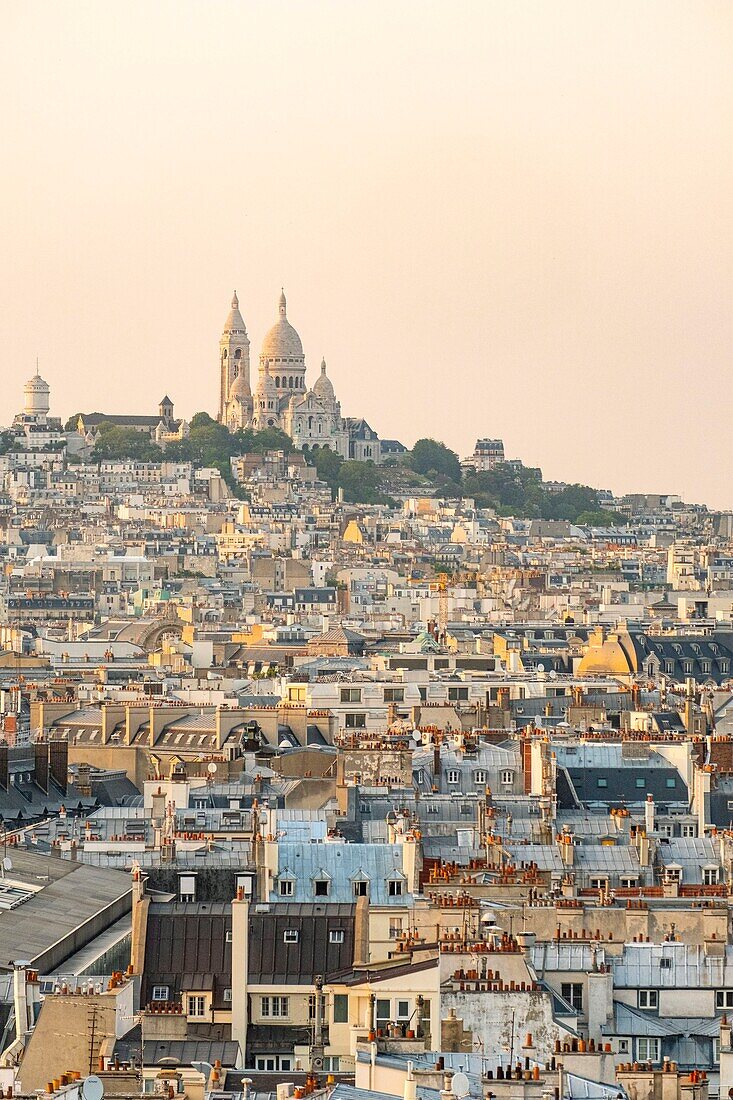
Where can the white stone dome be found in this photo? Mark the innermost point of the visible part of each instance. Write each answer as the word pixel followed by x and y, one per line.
pixel 266 385
pixel 240 389
pixel 323 388
pixel 282 341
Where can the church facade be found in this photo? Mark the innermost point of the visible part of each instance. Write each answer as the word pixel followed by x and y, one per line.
pixel 281 398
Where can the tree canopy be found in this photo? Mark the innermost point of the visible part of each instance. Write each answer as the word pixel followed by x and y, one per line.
pixel 434 459
pixel 115 443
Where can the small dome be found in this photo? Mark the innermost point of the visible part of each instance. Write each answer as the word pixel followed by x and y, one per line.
pixel 323 388
pixel 282 341
pixel 240 389
pixel 266 384
pixel 36 384
pixel 234 323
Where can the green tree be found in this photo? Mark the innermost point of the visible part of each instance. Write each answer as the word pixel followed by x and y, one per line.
pixel 201 419
pixel 360 482
pixel 434 459
pixel 71 423
pixel 328 464
pixel 117 443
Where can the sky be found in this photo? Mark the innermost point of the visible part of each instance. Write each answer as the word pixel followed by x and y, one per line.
pixel 505 219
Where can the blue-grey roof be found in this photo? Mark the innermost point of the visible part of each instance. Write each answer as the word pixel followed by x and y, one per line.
pixel 341 864
pixel 689 967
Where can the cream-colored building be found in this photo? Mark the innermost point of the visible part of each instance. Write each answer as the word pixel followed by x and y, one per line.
pixel 281 398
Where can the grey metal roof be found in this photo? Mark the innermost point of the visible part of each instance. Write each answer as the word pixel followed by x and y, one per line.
pixel 689 967
pixel 71 894
pixel 186 1051
pixel 340 862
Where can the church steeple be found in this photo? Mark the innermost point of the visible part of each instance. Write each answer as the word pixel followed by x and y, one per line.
pixel 233 361
pixel 282 306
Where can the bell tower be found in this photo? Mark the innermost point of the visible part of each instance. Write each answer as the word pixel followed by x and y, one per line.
pixel 233 356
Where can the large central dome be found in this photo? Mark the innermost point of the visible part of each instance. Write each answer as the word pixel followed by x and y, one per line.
pixel 282 341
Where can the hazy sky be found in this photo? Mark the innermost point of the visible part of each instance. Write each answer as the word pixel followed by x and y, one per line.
pixel 493 219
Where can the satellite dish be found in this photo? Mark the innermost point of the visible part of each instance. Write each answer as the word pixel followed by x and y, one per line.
pixel 552 674
pixel 92 1089
pixel 7 864
pixel 211 768
pixel 540 668
pixel 460 1085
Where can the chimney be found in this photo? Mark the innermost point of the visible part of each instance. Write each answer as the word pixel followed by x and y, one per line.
pixel 649 815
pixel 361 932
pixel 410 1089
pixel 567 848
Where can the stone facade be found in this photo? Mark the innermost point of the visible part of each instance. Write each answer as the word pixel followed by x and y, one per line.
pixel 281 399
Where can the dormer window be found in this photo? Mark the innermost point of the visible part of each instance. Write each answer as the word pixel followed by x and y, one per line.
pixel 360 886
pixel 395 887
pixel 286 887
pixel 321 887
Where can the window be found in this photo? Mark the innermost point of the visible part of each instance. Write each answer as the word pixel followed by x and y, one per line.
pixel 710 876
pixel 433 809
pixel 665 963
pixel 724 998
pixel 296 694
pixel 572 992
pixel 394 695
pixel 286 887
pixel 457 694
pixel 640 781
pixel 403 1010
pixel 507 778
pixel 272 1063
pixel 453 776
pixel 601 782
pixel 356 721
pixel 340 1008
pixel 629 883
pixel 671 782
pixel 290 935
pixel 395 927
pixel 622 1046
pixel 350 695
pixel 648 1050
pixel 648 998
pixel 229 935
pixel 331 1063
pixel 320 887
pixel 394 887
pixel 599 883
pixel 160 992
pixel 384 1012
pixel 361 889
pixel 187 887
pixel 228 994
pixel 196 1006
pixel 479 777
pixel 275 1007
pixel 688 830
pixel 336 935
